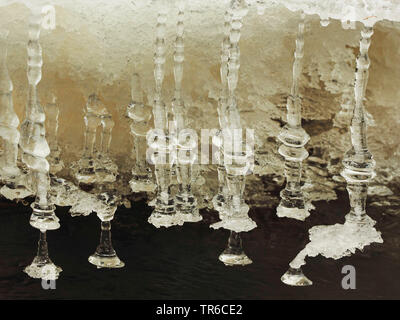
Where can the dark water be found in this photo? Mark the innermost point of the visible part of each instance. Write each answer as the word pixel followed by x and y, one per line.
pixel 182 262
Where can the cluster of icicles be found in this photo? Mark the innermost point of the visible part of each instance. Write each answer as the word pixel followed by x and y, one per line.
pixel 36 175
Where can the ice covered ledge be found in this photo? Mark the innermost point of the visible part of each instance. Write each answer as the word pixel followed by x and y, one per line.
pixel 367 11
pixel 98 44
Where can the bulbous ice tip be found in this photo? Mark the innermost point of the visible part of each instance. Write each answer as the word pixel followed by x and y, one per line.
pixel 44 218
pixel 295 277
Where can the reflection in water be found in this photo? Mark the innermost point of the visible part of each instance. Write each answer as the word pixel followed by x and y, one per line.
pixel 42 267
pixel 234 255
pixel 105 255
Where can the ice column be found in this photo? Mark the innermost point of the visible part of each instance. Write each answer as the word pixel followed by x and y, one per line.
pixel 52 112
pixel 164 211
pixel 107 170
pixel 294 137
pixel 219 201
pixel 96 166
pixel 142 178
pixel 33 142
pixel 185 201
pixel 8 119
pixel 358 161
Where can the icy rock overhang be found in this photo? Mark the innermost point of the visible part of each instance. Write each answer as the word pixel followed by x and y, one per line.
pixel 97 45
pixel 365 11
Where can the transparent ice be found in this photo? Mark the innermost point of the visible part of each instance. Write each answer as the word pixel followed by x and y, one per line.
pixel 9 121
pixel 140 115
pixel 236 153
pixel 293 138
pixel 33 141
pixel 52 113
pixel 358 231
pixel 185 201
pixel 96 166
pixel 220 199
pixel 234 255
pixel 164 214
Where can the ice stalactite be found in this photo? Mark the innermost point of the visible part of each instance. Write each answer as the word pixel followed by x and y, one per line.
pixel 294 138
pixel 96 167
pixel 33 142
pixel 343 117
pixel 236 154
pixel 185 201
pixel 9 121
pixel 164 214
pixel 220 199
pixel 140 115
pixel 52 113
pixel 107 169
pixel 84 170
pixel 358 161
pixel 358 231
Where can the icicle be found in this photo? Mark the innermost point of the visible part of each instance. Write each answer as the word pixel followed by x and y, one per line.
pixel 185 201
pixel 219 201
pixel 96 167
pixel 52 111
pixel 106 170
pixel 294 138
pixel 164 211
pixel 236 153
pixel 343 117
pixel 8 119
pixel 336 241
pixel 142 179
pixel 33 142
pixel 358 161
